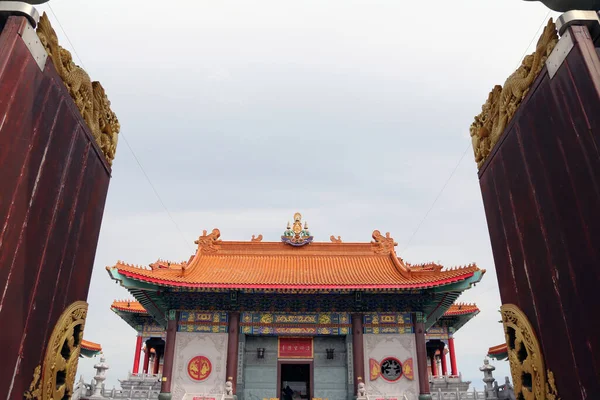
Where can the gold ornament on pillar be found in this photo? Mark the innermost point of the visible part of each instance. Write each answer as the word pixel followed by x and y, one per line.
pixel 530 379
pixel 54 379
pixel 89 97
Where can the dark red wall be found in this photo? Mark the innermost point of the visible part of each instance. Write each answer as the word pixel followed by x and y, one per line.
pixel 541 191
pixel 53 185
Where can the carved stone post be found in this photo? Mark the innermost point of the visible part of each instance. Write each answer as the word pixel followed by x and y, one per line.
pixel 418 321
pixel 100 377
pixel 489 379
pixel 165 387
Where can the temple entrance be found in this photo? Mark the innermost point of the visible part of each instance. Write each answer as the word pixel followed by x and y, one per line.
pixel 295 380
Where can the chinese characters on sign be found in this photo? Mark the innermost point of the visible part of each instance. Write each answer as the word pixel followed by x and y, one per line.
pixel 295 347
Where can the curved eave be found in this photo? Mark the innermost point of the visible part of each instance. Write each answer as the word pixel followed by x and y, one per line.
pixel 447 295
pixel 194 286
pixel 499 352
pixel 139 291
pixel 89 349
pixel 456 320
pixel 125 311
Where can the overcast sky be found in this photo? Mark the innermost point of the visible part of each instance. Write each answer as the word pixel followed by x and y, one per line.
pixel 354 113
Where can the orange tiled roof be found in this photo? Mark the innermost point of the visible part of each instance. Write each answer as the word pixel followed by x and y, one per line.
pixel 131 306
pixel 499 349
pixel 277 265
pixel 90 345
pixel 461 309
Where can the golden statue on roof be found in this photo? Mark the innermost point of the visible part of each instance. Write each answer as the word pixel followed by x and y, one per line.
pixel 295 234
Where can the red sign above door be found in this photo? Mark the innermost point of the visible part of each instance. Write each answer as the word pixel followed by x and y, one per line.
pixel 291 347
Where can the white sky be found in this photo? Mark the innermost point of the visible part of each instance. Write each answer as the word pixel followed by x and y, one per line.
pixel 354 113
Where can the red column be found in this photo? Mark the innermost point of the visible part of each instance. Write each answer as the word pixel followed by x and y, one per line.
pixel 358 350
pixel 136 356
pixel 146 359
pixel 452 356
pixel 433 364
pixel 232 348
pixel 169 354
pixel 443 358
pixel 418 322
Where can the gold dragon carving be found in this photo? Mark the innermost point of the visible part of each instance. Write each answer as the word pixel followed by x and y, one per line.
pixel 530 379
pixel 258 238
pixel 55 377
pixel 502 102
pixel 335 239
pixel 382 244
pixel 90 98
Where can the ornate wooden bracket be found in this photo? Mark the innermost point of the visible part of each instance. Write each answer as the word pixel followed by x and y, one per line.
pixel 503 102
pixel 54 379
pixel 90 98
pixel 530 379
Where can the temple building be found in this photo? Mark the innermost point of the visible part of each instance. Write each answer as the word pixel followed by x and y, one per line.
pixel 295 318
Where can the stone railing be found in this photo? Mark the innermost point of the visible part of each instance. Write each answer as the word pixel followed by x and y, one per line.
pixel 204 396
pixel 474 395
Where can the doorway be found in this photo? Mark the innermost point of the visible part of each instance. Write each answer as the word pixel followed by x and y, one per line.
pixel 295 381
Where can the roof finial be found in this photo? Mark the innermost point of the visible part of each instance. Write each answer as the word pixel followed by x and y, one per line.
pixel 296 235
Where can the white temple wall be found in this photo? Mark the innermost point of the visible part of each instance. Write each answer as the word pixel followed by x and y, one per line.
pixel 399 346
pixel 189 345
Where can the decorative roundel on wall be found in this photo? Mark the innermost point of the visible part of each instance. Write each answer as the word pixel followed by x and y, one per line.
pixel 391 369
pixel 199 368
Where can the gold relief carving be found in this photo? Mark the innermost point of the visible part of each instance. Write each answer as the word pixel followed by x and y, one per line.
pixel 258 238
pixel 209 243
pixel 530 380
pixel 503 102
pixel 551 392
pixel 89 96
pixel 34 391
pixel 62 354
pixel 266 319
pixel 335 240
pixel 325 319
pixel 382 244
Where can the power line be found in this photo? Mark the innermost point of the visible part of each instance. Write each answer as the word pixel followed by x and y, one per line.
pixel 467 149
pixel 126 141
pixel 437 197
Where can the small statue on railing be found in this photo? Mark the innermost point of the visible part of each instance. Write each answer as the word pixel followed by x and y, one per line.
pixel 229 387
pixel 362 391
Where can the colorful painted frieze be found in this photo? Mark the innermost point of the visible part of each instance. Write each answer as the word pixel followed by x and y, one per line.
pixel 387 323
pixel 282 324
pixel 440 333
pixel 305 318
pixel 207 322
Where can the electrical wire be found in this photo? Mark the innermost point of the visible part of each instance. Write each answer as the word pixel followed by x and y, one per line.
pixel 122 135
pixel 412 236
